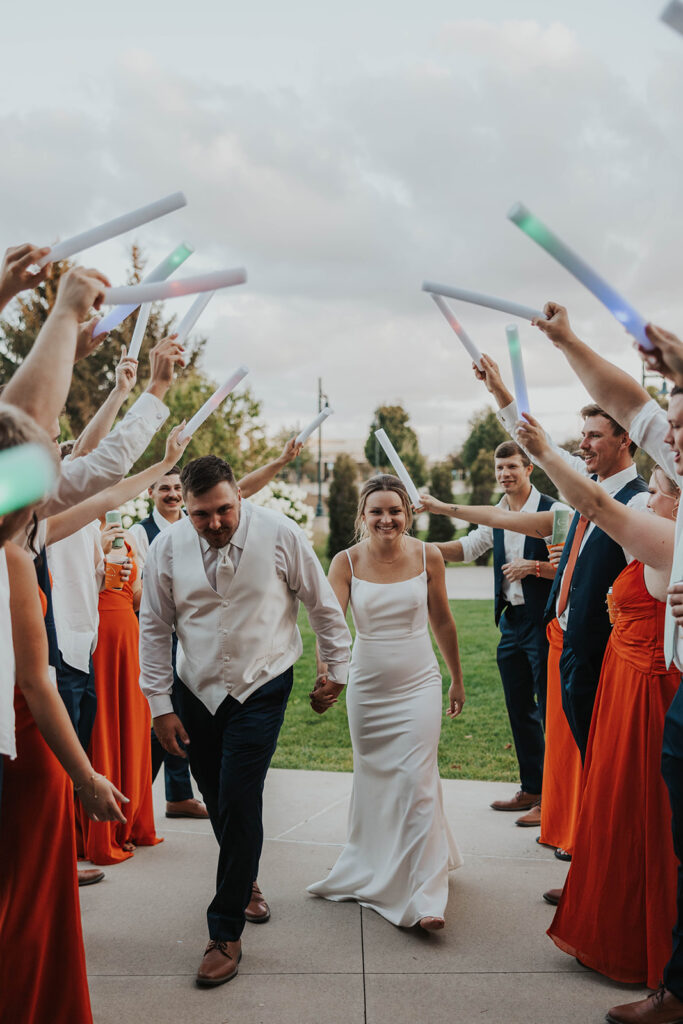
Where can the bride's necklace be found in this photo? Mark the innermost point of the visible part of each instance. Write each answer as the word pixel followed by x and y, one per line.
pixel 388 561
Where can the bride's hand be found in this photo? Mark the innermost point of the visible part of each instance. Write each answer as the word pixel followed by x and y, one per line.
pixel 456 699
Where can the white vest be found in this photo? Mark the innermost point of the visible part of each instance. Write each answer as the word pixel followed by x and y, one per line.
pixel 237 643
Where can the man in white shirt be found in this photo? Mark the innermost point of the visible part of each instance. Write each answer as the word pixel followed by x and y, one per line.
pixel 523 578
pixel 229 578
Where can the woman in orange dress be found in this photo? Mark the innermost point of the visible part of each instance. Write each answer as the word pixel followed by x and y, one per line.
pixel 618 906
pixel 119 746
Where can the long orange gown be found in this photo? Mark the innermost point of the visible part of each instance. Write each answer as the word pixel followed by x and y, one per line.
pixel 562 767
pixel 119 746
pixel 619 901
pixel 42 961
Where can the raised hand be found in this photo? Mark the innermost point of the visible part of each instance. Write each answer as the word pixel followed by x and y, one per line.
pixel 126 372
pixel 108 535
pixel 667 356
pixel 15 275
pixel 79 291
pixel 531 435
pixel 555 324
pixel 174 446
pixel 290 451
pixel 163 358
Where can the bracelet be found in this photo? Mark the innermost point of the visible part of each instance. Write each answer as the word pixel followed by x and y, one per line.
pixel 93 778
pixel 538 568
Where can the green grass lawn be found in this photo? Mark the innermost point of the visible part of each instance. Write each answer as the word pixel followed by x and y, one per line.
pixel 477 745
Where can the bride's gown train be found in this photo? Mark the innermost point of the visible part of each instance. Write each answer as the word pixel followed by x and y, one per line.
pixel 400 848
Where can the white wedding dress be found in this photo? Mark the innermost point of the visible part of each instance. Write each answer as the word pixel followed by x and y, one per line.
pixel 400 848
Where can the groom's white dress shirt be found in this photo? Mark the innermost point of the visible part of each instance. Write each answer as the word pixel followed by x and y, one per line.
pixel 234 610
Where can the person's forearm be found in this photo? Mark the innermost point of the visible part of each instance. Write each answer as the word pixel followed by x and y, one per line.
pixel 50 715
pixel 501 394
pixel 41 384
pixel 532 524
pixel 614 390
pixel 446 636
pixel 451 551
pixel 584 494
pixel 101 423
pixel 257 480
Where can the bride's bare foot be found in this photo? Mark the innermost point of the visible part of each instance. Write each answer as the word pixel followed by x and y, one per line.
pixel 432 924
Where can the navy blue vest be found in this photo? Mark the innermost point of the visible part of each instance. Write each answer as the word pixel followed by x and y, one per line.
pixel 150 528
pixel 43 575
pixel 535 590
pixel 600 562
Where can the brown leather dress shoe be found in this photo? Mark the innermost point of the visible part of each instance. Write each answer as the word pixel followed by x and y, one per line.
pixel 192 808
pixel 552 896
pixel 90 876
pixel 521 801
pixel 219 963
pixel 532 819
pixel 258 911
pixel 662 1007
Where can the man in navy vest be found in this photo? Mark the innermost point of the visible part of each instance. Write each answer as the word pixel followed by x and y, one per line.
pixel 523 578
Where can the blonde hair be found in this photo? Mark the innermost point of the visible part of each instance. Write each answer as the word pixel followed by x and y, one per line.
pixel 383 482
pixel 672 487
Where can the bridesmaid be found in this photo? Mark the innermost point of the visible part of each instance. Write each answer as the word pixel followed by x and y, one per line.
pixel 618 906
pixel 400 848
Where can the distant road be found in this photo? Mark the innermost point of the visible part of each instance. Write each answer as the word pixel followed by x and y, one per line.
pixel 470 582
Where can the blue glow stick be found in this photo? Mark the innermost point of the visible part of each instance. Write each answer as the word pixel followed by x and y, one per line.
pixel 518 377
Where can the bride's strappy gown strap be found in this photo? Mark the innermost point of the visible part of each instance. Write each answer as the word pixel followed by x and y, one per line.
pixel 399 848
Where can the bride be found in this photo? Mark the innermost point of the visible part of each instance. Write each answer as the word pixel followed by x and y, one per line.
pixel 399 847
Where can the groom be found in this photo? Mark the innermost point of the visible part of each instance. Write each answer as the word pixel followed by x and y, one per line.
pixel 229 578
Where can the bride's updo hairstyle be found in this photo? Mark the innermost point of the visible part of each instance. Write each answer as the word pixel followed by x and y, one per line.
pixel 383 482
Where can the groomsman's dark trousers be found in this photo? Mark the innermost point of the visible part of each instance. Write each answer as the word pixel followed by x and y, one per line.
pixel 230 753
pixel 522 657
pixel 77 690
pixel 672 770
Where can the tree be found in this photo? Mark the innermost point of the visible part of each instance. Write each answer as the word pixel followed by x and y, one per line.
pixel 441 528
pixel 395 421
pixel 343 504
pixel 486 433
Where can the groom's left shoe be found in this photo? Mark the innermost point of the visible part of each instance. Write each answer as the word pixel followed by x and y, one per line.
pixel 219 963
pixel 258 911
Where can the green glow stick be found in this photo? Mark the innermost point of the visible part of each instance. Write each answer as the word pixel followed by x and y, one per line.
pixel 27 474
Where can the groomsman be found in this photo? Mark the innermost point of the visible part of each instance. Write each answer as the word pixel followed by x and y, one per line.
pixel 229 578
pixel 523 578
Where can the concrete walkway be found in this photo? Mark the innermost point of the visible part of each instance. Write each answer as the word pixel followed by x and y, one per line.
pixel 316 961
pixel 470 582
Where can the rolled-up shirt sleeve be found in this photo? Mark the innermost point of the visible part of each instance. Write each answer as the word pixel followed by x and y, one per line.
pixel 304 575
pixel 509 417
pixel 157 619
pixel 476 543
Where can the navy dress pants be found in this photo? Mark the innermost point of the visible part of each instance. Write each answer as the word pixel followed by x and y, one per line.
pixel 522 662
pixel 230 753
pixel 672 770
pixel 77 690
pixel 579 674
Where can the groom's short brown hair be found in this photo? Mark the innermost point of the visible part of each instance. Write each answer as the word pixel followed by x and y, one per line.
pixel 200 475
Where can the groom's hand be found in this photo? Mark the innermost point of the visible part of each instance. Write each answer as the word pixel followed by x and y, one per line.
pixel 169 729
pixel 324 694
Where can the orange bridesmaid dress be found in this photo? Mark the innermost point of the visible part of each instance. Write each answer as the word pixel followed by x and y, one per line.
pixel 562 767
pixel 618 906
pixel 42 961
pixel 119 746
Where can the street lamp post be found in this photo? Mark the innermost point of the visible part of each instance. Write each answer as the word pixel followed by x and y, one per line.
pixel 321 395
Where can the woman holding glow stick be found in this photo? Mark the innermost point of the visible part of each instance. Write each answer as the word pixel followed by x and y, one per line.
pixel 400 848
pixel 618 905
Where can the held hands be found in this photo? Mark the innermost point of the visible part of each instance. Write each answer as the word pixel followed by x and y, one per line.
pixel 531 435
pixel 556 326
pixel 79 291
pixel 15 273
pixel 99 798
pixel 162 359
pixel 667 357
pixel 325 693
pixel 174 446
pixel 456 698
pixel 170 732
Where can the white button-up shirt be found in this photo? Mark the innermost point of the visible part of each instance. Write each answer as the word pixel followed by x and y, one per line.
pixel 140 538
pixel 77 567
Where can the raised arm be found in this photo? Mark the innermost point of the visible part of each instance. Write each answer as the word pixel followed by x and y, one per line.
pixel 253 482
pixel 15 272
pixel 649 538
pixel 103 420
pixel 614 390
pixel 443 627
pixel 73 519
pixel 532 524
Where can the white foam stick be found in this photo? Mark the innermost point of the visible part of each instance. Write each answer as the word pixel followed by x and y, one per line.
pixel 193 314
pixel 478 299
pixel 518 376
pixel 211 404
pixel 139 293
pixel 313 425
pixel 672 15
pixel 467 342
pixel 112 228
pixel 160 273
pixel 400 469
pixel 620 309
pixel 139 332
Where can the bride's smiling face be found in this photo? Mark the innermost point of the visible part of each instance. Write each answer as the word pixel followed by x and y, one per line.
pixel 384 515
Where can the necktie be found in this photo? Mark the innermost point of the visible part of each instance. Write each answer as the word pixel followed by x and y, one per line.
pixel 225 571
pixel 563 599
pixel 669 621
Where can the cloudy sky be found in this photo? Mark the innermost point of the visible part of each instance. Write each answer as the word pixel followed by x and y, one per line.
pixel 344 153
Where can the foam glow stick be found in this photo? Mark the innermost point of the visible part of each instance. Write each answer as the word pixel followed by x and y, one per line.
pixel 27 474
pixel 313 425
pixel 672 15
pixel 478 299
pixel 193 314
pixel 467 342
pixel 138 293
pixel 518 377
pixel 174 260
pixel 115 227
pixel 211 404
pixel 555 247
pixel 401 471
pixel 140 328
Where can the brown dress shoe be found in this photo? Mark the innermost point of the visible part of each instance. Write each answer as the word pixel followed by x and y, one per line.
pixel 552 896
pixel 219 963
pixel 521 801
pixel 532 819
pixel 662 1007
pixel 90 876
pixel 192 808
pixel 258 911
